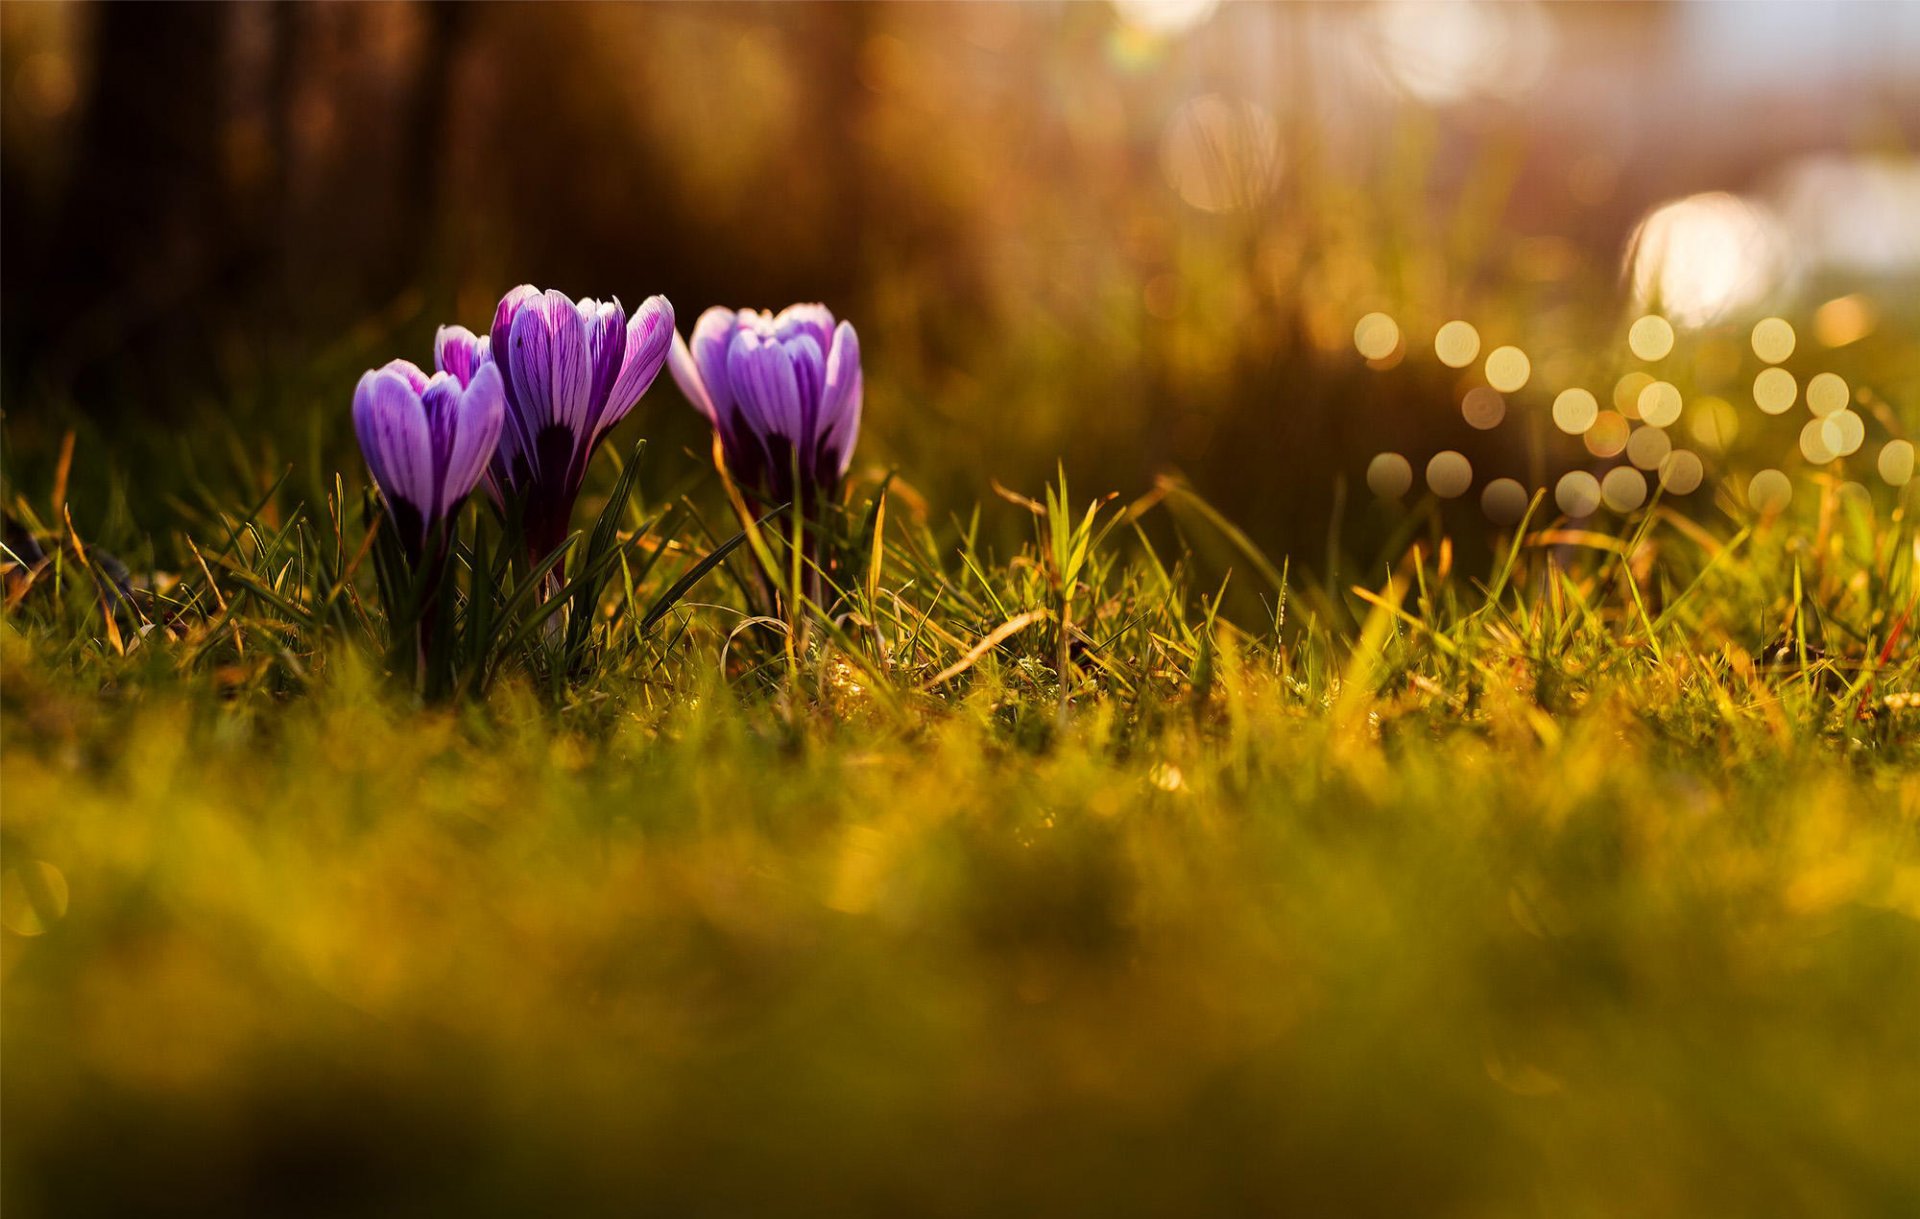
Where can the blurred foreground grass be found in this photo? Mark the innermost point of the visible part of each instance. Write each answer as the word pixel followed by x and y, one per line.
pixel 1596 893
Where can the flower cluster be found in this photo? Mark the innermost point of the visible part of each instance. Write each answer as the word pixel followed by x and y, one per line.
pixel 521 409
pixel 427 441
pixel 783 394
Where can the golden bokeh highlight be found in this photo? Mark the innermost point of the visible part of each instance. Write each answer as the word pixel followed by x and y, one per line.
pixel 1376 336
pixel 1648 447
pixel 1389 475
pixel 1843 432
pixel 1221 154
pixel 1574 411
pixel 1773 339
pixel 1651 338
pixel 1627 391
pixel 1774 391
pixel 1660 404
pixel 1164 18
pixel 1844 320
pixel 1769 491
pixel 1457 344
pixel 1483 408
pixel 1712 422
pixel 1826 393
pixel 1896 463
pixel 1577 493
pixel 1608 435
pixel 1681 472
pixel 1702 257
pixel 1814 445
pixel 1504 501
pixel 1449 474
pixel 1508 369
pixel 1623 489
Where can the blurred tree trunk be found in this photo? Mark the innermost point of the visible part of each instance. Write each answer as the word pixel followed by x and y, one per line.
pixel 144 207
pixel 835 35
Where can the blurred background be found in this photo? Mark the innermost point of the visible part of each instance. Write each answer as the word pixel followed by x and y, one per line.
pixel 1134 236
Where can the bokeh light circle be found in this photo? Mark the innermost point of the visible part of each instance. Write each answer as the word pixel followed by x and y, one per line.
pixel 1577 493
pixel 1814 444
pixel 1660 404
pixel 1702 257
pixel 1375 336
pixel 1769 491
pixel 1713 423
pixel 1457 344
pixel 1449 474
pixel 1896 463
pixel 1508 369
pixel 1651 338
pixel 1627 391
pixel 1843 432
pixel 1773 339
pixel 1681 472
pixel 1504 501
pixel 1826 393
pixel 1648 447
pixel 1608 435
pixel 1483 407
pixel 1165 17
pixel 1445 53
pixel 1574 411
pixel 1774 390
pixel 1389 475
pixel 1623 489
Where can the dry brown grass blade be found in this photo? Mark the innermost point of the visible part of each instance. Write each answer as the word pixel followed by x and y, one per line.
pixel 80 552
pixel 1000 634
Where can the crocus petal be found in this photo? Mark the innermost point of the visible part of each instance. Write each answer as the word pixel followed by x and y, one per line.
pixel 815 321
pixel 606 350
pixel 572 377
pixel 410 371
pixel 482 415
pixel 392 426
pixel 500 346
pixel 712 335
pixel 761 374
pixel 809 374
pixel 649 336
pixel 838 427
pixel 460 352
pixel 442 405
pixel 687 376
pixel 550 367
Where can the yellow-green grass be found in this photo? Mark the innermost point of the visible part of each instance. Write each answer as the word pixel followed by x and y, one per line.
pixel 1577 880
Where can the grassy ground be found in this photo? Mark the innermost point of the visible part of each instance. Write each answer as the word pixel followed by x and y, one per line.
pixel 1572 876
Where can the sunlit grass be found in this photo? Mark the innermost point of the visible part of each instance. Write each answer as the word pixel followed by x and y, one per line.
pixel 1576 878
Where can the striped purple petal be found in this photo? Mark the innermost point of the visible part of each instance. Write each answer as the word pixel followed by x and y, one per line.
pixel 815 321
pixel 394 437
pixel 606 351
pixel 482 413
pixel 761 375
pixel 407 369
pixel 650 335
pixel 460 352
pixel 838 427
pixel 499 344
pixel 809 374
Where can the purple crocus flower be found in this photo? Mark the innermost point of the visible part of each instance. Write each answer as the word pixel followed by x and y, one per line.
pixel 427 441
pixel 776 387
pixel 570 372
